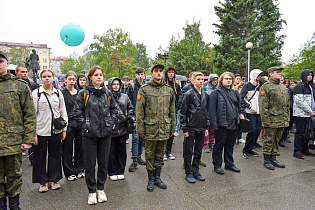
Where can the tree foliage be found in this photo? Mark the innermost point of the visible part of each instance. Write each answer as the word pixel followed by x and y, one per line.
pixel 74 63
pixel 116 53
pixel 242 21
pixel 18 55
pixel 191 53
pixel 305 59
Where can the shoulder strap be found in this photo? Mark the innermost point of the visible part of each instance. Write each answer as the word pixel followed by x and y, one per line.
pixel 132 88
pixel 254 93
pixel 52 114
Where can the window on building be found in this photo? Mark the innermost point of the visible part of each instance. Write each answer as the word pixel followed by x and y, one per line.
pixel 44 67
pixel 44 60
pixel 44 52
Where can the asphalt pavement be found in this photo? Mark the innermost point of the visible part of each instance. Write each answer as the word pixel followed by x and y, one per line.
pixel 254 187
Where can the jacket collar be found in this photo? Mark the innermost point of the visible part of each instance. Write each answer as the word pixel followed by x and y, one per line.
pixel 42 89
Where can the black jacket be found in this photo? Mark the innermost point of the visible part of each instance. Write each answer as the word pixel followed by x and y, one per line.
pixel 133 93
pixel 124 113
pixel 70 101
pixel 194 114
pixel 218 109
pixel 186 88
pixel 97 112
pixel 31 85
pixel 175 86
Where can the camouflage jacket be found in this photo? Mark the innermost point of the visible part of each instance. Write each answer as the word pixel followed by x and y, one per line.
pixel 17 116
pixel 274 104
pixel 155 111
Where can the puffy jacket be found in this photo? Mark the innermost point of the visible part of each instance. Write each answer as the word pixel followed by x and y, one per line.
pixel 125 113
pixel 218 108
pixel 194 115
pixel 302 96
pixel 17 115
pixel 96 112
pixel 249 91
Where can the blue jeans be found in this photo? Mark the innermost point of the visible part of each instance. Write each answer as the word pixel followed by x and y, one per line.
pixel 177 121
pixel 137 146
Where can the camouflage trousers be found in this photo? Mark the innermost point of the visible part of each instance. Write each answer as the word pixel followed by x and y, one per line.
pixel 154 152
pixel 10 175
pixel 272 137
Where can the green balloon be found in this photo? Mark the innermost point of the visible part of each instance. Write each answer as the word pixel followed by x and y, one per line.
pixel 72 34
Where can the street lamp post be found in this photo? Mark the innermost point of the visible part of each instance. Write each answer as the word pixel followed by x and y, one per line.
pixel 249 46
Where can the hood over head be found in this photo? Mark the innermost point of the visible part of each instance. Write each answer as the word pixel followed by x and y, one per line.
pixel 304 74
pixel 253 76
pixel 77 82
pixel 110 81
pixel 212 76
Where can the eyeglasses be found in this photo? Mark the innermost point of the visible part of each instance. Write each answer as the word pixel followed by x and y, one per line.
pixel 227 78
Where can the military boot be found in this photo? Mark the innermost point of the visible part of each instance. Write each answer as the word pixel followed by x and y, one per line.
pixel 267 162
pixel 158 180
pixel 14 203
pixel 275 163
pixel 151 176
pixel 3 203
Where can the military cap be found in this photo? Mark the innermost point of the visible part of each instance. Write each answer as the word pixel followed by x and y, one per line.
pixel 274 68
pixel 2 54
pixel 157 66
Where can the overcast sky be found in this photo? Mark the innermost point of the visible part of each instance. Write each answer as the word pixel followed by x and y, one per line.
pixel 150 22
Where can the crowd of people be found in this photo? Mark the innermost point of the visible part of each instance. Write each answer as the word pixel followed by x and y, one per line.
pixel 72 129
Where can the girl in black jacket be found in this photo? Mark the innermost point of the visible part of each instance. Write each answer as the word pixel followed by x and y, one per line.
pixel 118 155
pixel 73 166
pixel 94 108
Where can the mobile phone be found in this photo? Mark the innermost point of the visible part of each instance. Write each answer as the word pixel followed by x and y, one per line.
pixel 243 78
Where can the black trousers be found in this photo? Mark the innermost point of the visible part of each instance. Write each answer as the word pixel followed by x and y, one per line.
pixel 117 156
pixel 224 139
pixel 95 149
pixel 53 172
pixel 169 145
pixel 72 163
pixel 193 147
pixel 253 133
pixel 300 142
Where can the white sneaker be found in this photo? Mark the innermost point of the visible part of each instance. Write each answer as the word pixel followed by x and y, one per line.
pixel 72 178
pixel 101 196
pixel 121 177
pixel 113 178
pixel 92 199
pixel 241 141
pixel 165 157
pixel 176 134
pixel 171 157
pixel 81 175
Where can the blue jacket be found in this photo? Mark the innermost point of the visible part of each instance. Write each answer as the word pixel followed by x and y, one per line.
pixel 133 93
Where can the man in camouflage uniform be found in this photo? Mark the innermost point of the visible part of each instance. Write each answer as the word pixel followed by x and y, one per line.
pixel 156 122
pixel 17 132
pixel 274 109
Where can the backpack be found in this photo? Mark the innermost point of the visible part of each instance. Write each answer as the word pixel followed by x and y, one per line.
pixel 86 96
pixel 310 128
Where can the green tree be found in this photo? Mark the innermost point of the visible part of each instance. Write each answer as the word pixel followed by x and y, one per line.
pixel 191 53
pixel 242 21
pixel 115 51
pixel 74 63
pixel 305 59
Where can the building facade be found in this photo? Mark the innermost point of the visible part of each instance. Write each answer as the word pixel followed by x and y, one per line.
pixel 55 64
pixel 18 53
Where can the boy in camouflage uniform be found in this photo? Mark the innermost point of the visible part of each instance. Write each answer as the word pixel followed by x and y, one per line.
pixel 274 109
pixel 155 121
pixel 17 132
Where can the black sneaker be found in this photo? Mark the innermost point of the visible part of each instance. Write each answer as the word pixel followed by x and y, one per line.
pixel 133 166
pixel 308 153
pixel 298 155
pixel 258 145
pixel 190 179
pixel 199 177
pixel 253 153
pixel 245 155
pixel 141 161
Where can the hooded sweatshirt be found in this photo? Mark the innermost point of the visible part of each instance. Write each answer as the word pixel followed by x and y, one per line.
pixel 303 96
pixel 250 93
pixel 175 86
pixel 210 87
